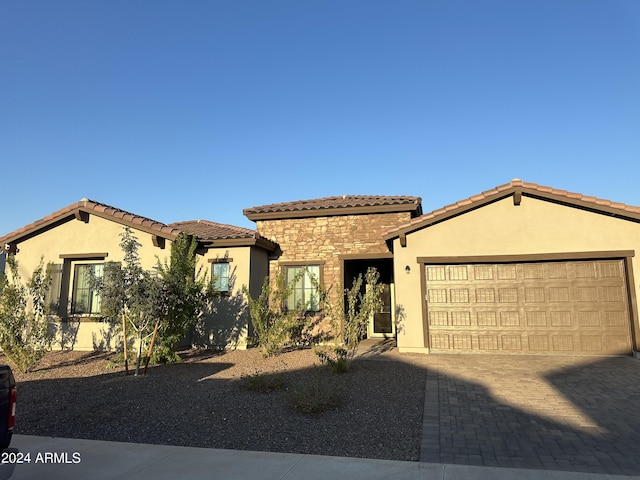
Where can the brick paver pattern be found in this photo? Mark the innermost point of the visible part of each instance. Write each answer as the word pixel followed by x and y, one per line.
pixel 557 413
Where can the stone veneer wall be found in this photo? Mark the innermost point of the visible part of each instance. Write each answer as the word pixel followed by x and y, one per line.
pixel 324 239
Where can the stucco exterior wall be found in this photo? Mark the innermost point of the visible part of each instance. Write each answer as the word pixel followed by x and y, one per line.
pixel 501 228
pixel 76 237
pixel 229 325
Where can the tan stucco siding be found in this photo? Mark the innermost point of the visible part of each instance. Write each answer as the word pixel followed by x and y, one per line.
pixel 76 237
pixel 228 326
pixel 71 242
pixel 501 228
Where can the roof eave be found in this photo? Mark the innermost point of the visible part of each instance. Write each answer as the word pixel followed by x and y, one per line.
pixel 332 212
pixel 516 191
pixel 241 242
pixel 161 232
pixel 82 214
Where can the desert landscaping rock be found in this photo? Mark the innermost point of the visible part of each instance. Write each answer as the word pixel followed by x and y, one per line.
pixel 203 402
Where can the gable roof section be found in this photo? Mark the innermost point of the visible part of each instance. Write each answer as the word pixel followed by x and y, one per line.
pixel 220 234
pixel 338 205
pixel 213 232
pixel 81 211
pixel 517 188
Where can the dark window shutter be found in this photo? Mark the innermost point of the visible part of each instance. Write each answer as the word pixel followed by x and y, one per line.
pixel 53 294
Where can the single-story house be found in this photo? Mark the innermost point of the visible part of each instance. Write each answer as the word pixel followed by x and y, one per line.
pixel 83 236
pixel 519 269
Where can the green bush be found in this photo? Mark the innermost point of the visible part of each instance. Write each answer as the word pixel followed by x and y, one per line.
pixel 316 393
pixel 274 327
pixel 350 324
pixel 263 382
pixel 187 296
pixel 24 328
pixel 337 359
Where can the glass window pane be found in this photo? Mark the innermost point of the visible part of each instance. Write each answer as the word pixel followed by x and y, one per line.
pixel 85 299
pixel 304 292
pixel 221 274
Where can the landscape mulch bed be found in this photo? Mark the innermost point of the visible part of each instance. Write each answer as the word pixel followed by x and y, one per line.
pixel 204 401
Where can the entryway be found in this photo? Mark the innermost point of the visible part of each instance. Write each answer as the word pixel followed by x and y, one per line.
pixel 382 324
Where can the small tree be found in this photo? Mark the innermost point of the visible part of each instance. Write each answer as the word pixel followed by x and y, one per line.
pixel 24 328
pixel 159 306
pixel 187 296
pixel 131 294
pixel 274 325
pixel 350 320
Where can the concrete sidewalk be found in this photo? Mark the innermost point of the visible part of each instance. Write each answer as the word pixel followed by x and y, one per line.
pixel 97 460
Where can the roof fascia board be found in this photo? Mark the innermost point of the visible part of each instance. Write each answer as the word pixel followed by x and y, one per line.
pixel 579 203
pixel 519 192
pixel 241 242
pixel 332 212
pixel 138 226
pixel 403 231
pixel 32 232
pixel 81 214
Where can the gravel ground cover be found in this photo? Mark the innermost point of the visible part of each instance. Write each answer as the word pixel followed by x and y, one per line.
pixel 204 401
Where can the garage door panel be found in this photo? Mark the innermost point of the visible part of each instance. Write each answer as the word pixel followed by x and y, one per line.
pixel 576 307
pixel 530 343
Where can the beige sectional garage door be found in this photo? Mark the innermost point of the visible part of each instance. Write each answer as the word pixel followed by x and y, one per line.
pixel 569 307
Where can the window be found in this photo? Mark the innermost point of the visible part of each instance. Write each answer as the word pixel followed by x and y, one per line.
pixel 305 293
pixel 220 272
pixel 85 299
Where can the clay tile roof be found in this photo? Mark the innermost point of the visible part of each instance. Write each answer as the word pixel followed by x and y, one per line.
pixel 532 189
pixel 207 230
pixel 91 207
pixel 204 230
pixel 336 205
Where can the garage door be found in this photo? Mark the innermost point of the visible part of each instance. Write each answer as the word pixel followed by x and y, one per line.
pixel 574 307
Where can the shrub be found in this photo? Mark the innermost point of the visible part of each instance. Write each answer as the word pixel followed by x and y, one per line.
pixel 275 327
pixel 187 297
pixel 24 328
pixel 350 324
pixel 263 382
pixel 316 393
pixel 337 359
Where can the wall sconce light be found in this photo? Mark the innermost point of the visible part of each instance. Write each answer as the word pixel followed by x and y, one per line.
pixel 407 269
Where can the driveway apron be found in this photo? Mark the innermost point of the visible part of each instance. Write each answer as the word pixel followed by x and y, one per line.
pixel 556 413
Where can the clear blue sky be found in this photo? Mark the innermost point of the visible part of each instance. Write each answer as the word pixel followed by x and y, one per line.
pixel 181 110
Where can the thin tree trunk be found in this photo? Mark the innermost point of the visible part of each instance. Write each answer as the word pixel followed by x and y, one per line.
pixel 124 333
pixel 139 352
pixel 153 340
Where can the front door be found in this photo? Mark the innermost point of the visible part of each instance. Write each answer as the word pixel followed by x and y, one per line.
pixel 382 324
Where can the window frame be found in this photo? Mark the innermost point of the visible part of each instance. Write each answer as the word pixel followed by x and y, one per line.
pixel 297 267
pixel 93 296
pixel 216 263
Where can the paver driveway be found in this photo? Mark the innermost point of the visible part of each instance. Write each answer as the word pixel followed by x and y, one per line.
pixel 557 413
